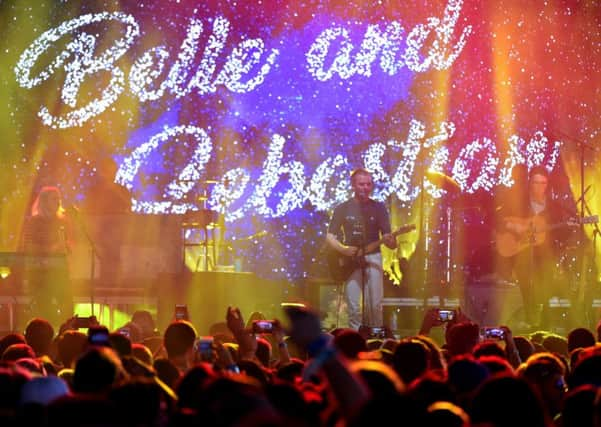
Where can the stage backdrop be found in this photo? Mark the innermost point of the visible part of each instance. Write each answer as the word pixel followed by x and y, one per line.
pixel 259 110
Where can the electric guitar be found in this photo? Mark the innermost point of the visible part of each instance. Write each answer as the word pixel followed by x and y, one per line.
pixel 341 266
pixel 531 232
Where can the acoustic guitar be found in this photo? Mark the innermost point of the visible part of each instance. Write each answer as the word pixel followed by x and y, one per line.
pixel 341 266
pixel 531 232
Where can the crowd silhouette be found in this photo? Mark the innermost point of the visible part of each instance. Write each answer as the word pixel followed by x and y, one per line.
pixel 290 372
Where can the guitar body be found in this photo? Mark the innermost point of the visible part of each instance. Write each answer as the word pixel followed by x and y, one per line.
pixel 509 243
pixel 341 266
pixel 531 231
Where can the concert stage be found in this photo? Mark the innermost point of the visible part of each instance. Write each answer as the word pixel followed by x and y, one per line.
pixel 208 294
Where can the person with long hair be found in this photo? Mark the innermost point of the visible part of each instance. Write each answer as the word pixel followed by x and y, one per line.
pixel 46 242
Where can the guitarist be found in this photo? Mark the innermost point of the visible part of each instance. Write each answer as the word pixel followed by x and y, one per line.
pixel 526 205
pixel 356 223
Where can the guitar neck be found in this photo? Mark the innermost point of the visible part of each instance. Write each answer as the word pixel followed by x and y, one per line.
pixel 374 245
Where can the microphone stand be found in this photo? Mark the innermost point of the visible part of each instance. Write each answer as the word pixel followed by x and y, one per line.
pixel 363 263
pixel 84 230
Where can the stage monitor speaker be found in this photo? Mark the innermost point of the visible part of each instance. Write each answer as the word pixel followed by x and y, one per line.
pixel 493 303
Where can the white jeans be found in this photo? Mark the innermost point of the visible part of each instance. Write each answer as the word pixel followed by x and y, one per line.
pixel 374 292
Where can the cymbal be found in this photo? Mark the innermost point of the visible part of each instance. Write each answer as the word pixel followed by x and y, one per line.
pixel 442 181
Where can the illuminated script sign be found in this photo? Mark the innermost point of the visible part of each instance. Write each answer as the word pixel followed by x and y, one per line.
pixel 384 54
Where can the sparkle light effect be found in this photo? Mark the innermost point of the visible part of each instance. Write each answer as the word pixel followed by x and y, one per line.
pixel 83 65
pixel 308 91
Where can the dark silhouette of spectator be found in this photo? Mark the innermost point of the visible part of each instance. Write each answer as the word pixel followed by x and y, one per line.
pixel 12 380
pixel 350 343
pixel 380 378
pixel 410 359
pixel 545 372
pixel 141 352
pixel 577 408
pixel 254 369
pixel 587 370
pixel 167 372
pixel 264 352
pixel 556 344
pixel 437 360
pixel 292 406
pixel 381 410
pixel 71 345
pixel 524 346
pixel 465 374
pixel 291 371
pixel 97 370
pixel 446 414
pixel 489 348
pixel 190 387
pixel 139 402
pixel 10 339
pixel 580 338
pixel 17 351
pixel 429 389
pixel 235 401
pixel 178 339
pixel 35 366
pixel 496 365
pixel 462 338
pixel 39 334
pixel 77 410
pixel 120 343
pixel 507 401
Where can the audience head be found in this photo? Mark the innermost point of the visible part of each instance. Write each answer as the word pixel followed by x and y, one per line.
pixel 97 370
pixel 179 338
pixel 350 343
pixel 143 353
pixel 556 344
pixel 120 343
pixel 577 407
pixel 462 338
pixel 524 346
pixel 446 414
pixel 39 333
pixel 379 377
pixel 70 345
pixel 167 371
pixel 10 339
pixel 17 351
pixel 545 372
pixel 411 359
pixel 521 405
pixel 580 338
pixel 489 348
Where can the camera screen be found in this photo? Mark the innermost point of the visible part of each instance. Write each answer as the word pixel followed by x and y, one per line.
pixel 181 312
pixel 446 315
pixel 495 333
pixel 262 326
pixel 204 347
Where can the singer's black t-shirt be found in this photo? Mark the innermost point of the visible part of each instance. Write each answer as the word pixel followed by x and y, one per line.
pixel 351 217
